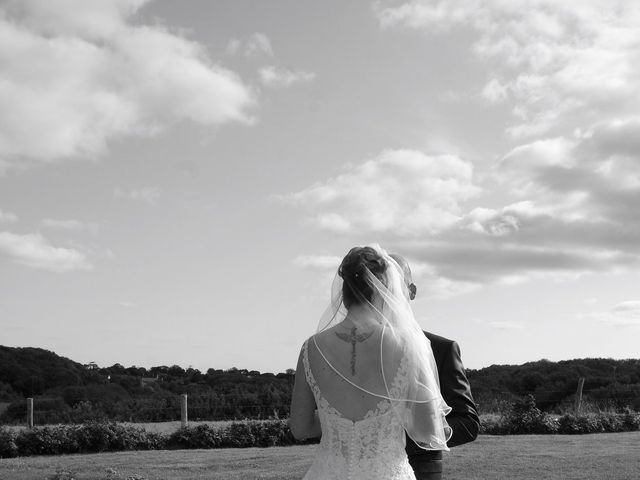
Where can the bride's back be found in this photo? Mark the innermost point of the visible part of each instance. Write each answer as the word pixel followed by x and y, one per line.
pixel 345 356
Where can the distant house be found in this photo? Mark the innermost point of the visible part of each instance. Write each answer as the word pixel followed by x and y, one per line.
pixel 91 366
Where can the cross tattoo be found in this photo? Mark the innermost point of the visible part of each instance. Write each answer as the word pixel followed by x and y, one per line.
pixel 353 339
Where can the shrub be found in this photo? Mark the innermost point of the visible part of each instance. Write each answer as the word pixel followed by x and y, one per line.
pixel 95 436
pixel 49 440
pixel 8 447
pixel 201 436
pixel 111 436
pixel 88 438
pixel 572 424
pixel 611 422
pixel 599 422
pixel 525 418
pixel 129 437
pixel 239 435
pixel 272 433
pixel 493 424
pixel 631 420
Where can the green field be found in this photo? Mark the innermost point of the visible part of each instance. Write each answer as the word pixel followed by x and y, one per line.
pixel 612 456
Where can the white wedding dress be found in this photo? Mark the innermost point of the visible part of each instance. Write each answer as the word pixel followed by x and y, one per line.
pixel 371 448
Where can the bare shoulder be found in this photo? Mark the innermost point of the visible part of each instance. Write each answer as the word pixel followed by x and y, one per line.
pixel 323 336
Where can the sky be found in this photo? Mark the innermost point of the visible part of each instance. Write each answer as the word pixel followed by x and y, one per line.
pixel 179 180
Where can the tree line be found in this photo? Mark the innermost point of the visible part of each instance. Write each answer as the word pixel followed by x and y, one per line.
pixel 66 391
pixel 609 384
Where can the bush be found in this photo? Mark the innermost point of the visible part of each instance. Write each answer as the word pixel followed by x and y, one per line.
pixel 599 422
pixel 272 433
pixel 43 441
pixel 631 420
pixel 111 436
pixel 8 447
pixel 572 424
pixel 88 438
pixel 201 436
pixel 525 418
pixel 492 424
pixel 522 417
pixel 129 437
pixel 611 422
pixel 95 436
pixel 239 435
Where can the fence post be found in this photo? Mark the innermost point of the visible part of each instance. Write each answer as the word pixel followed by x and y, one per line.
pixel 183 410
pixel 579 395
pixel 30 412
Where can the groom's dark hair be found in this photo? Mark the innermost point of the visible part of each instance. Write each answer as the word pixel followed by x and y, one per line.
pixel 406 271
pixel 356 289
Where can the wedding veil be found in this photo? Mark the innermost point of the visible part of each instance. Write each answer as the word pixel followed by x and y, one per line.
pixel 404 349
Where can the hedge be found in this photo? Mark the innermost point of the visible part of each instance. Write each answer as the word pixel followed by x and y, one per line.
pixel 95 437
pixel 523 417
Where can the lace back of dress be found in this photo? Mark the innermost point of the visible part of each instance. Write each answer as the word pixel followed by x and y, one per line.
pixel 356 445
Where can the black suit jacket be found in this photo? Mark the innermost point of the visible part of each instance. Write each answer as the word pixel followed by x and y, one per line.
pixel 456 391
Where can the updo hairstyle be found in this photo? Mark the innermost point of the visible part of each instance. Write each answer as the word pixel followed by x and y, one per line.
pixel 356 289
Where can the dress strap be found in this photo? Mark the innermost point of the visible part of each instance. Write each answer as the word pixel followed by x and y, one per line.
pixel 307 368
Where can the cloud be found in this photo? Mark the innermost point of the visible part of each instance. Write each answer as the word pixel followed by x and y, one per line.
pixel 430 283
pixel 70 224
pixel 624 314
pixel 398 193
pixel 35 251
pixel 556 63
pixel 233 46
pixel 77 74
pixel 562 201
pixel 8 217
pixel 275 77
pixel 257 44
pixel 318 262
pixel 441 16
pixel 127 304
pixel 149 195
pixel 566 218
pixel 494 91
pixel 474 261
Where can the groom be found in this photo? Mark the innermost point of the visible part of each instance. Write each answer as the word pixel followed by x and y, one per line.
pixel 456 391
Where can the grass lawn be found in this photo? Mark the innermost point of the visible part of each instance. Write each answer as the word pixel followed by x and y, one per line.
pixel 606 456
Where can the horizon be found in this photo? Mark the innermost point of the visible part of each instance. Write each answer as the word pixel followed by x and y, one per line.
pixel 178 183
pixel 237 367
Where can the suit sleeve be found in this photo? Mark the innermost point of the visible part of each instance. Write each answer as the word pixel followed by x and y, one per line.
pixel 456 391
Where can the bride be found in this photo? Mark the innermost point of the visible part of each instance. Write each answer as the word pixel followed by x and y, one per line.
pixel 367 377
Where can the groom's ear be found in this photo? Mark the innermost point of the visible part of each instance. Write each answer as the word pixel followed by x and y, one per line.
pixel 412 291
